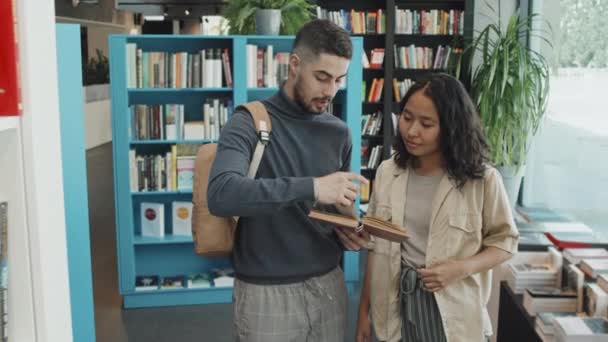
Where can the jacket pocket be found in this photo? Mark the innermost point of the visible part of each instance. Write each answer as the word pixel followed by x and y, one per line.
pixel 383 212
pixel 382 246
pixel 464 234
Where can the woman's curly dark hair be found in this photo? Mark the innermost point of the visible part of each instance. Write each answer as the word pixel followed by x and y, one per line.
pixel 461 139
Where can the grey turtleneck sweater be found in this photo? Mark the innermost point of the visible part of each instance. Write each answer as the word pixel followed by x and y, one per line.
pixel 276 242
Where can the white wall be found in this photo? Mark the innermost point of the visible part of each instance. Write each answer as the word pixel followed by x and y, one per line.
pixel 98 123
pixel 43 178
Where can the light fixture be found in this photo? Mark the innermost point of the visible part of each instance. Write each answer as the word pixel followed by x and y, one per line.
pixel 154 18
pixel 187 11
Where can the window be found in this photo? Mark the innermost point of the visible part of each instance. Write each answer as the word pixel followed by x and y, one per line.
pixel 567 168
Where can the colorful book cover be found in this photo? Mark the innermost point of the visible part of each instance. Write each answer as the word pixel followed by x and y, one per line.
pixel 185 173
pixel 152 219
pixel 146 283
pixel 182 218
pixel 173 282
pixel 199 280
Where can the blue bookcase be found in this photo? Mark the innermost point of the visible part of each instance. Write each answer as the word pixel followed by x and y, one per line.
pixel 171 255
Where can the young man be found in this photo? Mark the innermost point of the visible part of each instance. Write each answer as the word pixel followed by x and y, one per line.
pixel 289 286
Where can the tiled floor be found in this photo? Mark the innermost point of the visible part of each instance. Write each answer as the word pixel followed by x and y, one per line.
pixel 209 323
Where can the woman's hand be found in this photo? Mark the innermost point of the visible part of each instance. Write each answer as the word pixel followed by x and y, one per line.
pixel 352 241
pixel 364 329
pixel 439 275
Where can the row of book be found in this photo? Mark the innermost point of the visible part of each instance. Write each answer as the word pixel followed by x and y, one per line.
pixel 215 278
pixel 153 69
pixel 356 22
pixel 167 121
pixel 418 57
pixel 152 218
pixel 371 156
pixel 169 171
pixel 265 68
pixel 375 91
pixel 429 22
pixel 371 124
pixel 376 59
pixel 400 88
pixel 573 284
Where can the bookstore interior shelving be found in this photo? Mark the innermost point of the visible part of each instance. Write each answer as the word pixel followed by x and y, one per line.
pixel 169 95
pixel 402 40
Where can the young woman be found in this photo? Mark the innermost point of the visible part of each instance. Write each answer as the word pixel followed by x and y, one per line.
pixel 435 286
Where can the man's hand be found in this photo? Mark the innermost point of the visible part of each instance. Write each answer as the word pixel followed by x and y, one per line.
pixel 338 188
pixel 442 274
pixel 352 241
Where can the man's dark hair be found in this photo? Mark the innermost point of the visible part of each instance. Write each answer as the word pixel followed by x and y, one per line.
pixel 322 36
pixel 461 139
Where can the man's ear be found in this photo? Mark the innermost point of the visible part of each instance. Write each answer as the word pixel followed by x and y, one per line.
pixel 295 63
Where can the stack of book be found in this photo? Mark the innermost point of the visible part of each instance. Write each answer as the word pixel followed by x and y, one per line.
pixel 576 255
pixel 596 300
pixel 525 276
pixel 540 271
pixel 594 267
pixel 543 324
pixel 556 300
pixel 575 329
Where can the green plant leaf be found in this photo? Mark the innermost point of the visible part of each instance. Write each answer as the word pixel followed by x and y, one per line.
pixel 509 86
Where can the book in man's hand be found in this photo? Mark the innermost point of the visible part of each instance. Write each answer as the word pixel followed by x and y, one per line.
pixel 374 226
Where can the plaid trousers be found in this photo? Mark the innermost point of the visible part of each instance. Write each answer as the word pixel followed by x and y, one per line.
pixel 310 311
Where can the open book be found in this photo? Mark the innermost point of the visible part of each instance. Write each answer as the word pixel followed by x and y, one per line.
pixel 374 226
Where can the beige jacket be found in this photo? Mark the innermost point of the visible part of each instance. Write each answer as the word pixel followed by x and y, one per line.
pixel 462 223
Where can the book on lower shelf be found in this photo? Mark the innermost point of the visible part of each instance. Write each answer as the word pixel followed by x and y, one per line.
pixel 182 218
pixel 172 282
pixel 223 277
pixel 374 226
pixel 152 219
pixel 198 281
pixel 147 283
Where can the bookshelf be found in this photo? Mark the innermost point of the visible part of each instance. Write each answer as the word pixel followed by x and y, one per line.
pixel 392 35
pixel 172 254
pixel 73 158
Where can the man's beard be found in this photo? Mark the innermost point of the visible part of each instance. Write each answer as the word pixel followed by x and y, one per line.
pixel 301 101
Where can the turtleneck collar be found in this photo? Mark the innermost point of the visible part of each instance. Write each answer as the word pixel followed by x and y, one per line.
pixel 289 107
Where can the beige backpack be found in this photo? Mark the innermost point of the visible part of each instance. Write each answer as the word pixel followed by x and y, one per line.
pixel 214 236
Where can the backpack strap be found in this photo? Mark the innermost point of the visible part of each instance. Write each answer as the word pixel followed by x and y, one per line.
pixel 263 127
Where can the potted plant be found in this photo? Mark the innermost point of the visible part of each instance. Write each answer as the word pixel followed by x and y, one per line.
pixel 96 77
pixel 267 17
pixel 509 85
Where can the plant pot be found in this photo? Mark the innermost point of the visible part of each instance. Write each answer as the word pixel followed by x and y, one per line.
pixel 511 177
pixel 267 21
pixel 96 92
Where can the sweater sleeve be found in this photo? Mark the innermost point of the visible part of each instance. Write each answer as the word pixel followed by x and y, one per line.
pixel 231 193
